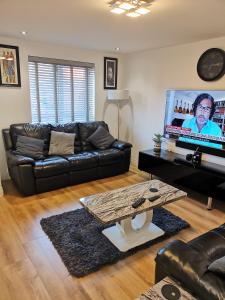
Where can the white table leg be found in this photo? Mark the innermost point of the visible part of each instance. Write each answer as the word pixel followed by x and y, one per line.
pixel 132 232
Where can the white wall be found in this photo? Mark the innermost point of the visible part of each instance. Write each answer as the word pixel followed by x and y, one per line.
pixel 15 102
pixel 146 74
pixel 149 74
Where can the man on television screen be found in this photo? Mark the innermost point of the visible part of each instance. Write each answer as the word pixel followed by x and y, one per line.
pixel 204 108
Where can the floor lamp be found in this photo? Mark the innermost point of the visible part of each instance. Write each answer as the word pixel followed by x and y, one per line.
pixel 118 96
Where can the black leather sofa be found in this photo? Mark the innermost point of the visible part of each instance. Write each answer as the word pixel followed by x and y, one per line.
pixel 188 263
pixel 37 176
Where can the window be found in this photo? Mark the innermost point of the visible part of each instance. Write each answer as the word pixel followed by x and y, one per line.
pixel 61 91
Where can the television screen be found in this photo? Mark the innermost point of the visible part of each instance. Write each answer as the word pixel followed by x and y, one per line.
pixel 196 117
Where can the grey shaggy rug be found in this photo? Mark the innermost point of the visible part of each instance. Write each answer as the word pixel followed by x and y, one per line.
pixel 77 237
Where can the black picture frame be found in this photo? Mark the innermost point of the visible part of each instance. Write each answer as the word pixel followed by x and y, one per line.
pixel 110 73
pixel 9 66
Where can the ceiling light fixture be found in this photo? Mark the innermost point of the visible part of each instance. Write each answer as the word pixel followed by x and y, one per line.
pixel 133 14
pixel 117 10
pixel 142 11
pixel 132 8
pixel 24 32
pixel 126 5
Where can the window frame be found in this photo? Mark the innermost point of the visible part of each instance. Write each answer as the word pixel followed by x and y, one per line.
pixel 89 80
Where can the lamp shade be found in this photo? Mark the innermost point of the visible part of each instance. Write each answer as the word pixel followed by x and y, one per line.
pixel 117 95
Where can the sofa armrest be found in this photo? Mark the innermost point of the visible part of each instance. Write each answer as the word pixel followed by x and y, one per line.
pixel 180 261
pixel 16 159
pixel 121 145
pixel 179 258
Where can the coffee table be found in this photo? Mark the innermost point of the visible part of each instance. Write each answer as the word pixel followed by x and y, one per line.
pixel 164 290
pixel 133 226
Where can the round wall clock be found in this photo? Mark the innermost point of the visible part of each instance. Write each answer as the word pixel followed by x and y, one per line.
pixel 211 64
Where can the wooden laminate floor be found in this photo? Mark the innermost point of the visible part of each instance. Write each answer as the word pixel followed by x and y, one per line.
pixel 30 267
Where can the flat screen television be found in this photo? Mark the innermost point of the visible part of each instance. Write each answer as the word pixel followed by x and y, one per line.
pixel 196 119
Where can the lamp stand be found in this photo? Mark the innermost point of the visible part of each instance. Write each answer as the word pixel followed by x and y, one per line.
pixel 117 96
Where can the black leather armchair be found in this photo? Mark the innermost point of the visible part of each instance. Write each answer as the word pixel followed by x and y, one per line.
pixel 188 263
pixel 88 163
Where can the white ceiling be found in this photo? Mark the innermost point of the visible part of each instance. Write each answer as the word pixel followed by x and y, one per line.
pixel 89 23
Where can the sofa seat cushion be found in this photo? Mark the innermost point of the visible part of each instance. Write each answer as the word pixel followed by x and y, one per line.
pixel 82 160
pixel 109 156
pixel 50 166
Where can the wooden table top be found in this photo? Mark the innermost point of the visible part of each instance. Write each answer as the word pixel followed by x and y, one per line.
pixel 154 293
pixel 116 205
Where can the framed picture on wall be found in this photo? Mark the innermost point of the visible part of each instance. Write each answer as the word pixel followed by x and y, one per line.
pixel 9 66
pixel 110 73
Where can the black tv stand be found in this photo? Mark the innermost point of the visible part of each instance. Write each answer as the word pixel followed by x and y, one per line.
pixel 207 179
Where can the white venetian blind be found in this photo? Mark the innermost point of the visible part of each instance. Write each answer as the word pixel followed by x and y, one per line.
pixel 61 91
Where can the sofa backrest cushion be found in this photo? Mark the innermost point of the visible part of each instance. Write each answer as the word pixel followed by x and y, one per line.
pixel 30 147
pixel 36 130
pixel 61 143
pixel 101 138
pixel 43 131
pixel 87 129
pixel 218 266
pixel 70 128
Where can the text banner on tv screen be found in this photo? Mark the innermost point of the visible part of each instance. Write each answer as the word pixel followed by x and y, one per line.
pixel 196 117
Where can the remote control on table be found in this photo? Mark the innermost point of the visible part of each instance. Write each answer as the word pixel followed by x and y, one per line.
pixel 153 198
pixel 153 190
pixel 138 202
